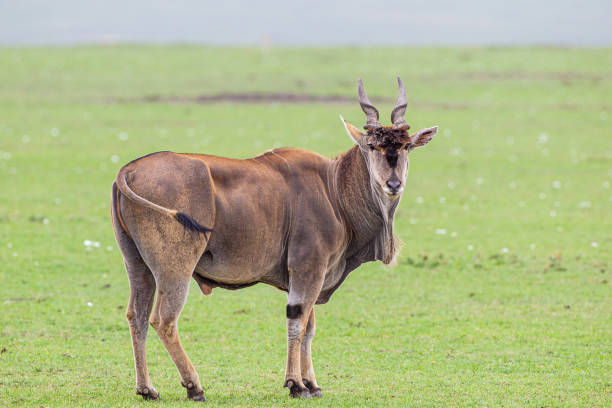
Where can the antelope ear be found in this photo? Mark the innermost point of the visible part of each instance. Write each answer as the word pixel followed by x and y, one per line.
pixel 423 136
pixel 352 131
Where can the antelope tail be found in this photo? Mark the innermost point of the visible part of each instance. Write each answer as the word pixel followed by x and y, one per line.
pixel 186 220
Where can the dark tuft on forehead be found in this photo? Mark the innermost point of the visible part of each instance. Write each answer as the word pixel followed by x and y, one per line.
pixel 387 136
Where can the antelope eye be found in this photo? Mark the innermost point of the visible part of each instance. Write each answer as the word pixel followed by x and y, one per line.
pixel 371 146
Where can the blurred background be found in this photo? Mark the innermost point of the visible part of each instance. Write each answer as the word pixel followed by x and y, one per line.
pixel 501 296
pixel 341 22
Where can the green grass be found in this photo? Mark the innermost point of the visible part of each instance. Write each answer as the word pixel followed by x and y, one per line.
pixel 512 306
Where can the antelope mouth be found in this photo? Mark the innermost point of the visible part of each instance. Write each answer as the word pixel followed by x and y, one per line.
pixel 393 194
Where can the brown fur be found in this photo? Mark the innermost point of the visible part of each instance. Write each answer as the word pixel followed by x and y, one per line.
pixel 289 218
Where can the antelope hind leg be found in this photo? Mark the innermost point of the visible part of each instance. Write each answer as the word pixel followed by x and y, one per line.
pixel 171 297
pixel 142 292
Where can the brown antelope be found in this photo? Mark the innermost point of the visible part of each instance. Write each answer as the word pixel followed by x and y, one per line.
pixel 289 218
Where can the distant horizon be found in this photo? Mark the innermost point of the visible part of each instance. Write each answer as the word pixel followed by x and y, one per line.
pixel 352 23
pixel 295 46
pixel 298 46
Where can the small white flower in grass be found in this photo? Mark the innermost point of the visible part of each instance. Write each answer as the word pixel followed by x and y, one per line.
pixel 521 204
pixel 553 213
pixel 89 304
pixel 584 204
pixel 557 204
pixel 456 151
pixel 412 221
pixel 603 116
pixel 542 196
pixel 13 170
pixel 605 184
pixel 479 181
pixel 9 245
pixel 466 207
pixel 532 246
pixel 512 185
pixel 45 221
pixel 15 254
pixel 55 132
pixel 510 140
pixel 559 229
pixel 420 200
pixel 442 200
pixel 447 133
pixel 451 185
pixel 95 244
pixel 25 139
pixel 109 248
pixel 475 124
pixel 440 231
pixel 473 197
pixel 123 136
pixel 87 243
pixel 543 138
pixel 58 201
pixel 470 247
pixel 114 158
pixel 594 244
pixel 453 234
pixel 556 184
pixel 504 250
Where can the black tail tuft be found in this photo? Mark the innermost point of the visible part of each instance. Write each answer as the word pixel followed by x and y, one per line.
pixel 189 223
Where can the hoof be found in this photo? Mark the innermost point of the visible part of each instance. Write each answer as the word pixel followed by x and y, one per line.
pixel 297 391
pixel 193 393
pixel 314 391
pixel 148 393
pixel 197 396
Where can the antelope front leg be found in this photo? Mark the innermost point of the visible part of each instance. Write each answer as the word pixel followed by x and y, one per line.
pixel 303 292
pixel 308 375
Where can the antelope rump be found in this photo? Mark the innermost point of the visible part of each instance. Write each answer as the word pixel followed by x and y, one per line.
pixel 289 218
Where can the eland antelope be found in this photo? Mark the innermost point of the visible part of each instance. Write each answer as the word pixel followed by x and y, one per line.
pixel 290 218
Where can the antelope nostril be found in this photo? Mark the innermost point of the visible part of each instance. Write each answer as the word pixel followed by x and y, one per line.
pixel 393 184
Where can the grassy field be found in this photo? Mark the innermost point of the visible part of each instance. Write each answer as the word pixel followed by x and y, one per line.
pixel 502 295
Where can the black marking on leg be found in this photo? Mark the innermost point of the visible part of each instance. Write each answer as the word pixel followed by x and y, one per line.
pixel 294 311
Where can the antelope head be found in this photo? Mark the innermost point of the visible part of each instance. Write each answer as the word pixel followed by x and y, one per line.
pixel 385 148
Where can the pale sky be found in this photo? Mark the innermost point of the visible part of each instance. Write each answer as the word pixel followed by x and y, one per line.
pixel 342 22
